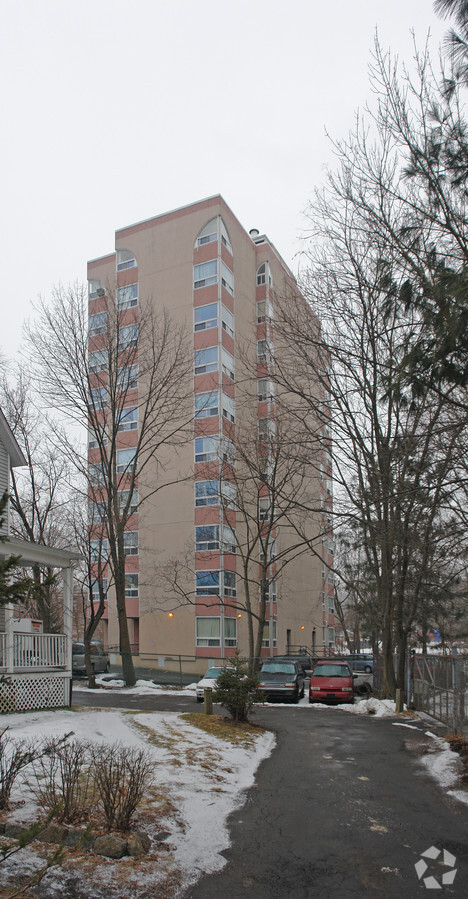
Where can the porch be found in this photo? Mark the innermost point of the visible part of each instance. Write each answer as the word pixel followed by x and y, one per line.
pixel 36 669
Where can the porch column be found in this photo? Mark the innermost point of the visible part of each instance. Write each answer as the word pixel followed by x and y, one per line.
pixel 9 638
pixel 67 575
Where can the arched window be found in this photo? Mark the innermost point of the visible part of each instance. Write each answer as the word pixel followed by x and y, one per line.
pixel 264 275
pixel 211 232
pixel 125 259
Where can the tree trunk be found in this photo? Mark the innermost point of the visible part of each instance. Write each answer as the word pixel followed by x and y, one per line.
pixel 128 670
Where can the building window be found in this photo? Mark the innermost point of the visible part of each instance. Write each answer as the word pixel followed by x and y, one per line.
pixel 96 473
pixel 266 635
pixel 264 312
pixel 95 592
pixel 206 360
pixel 131 585
pixel 127 337
pixel 93 442
pixel 206 493
pixel 208 631
pixel 207 583
pixel 331 605
pixel 228 451
pixel 127 296
pixel 265 390
pixel 206 449
pixel 227 278
pixel 98 551
pixel 268 551
pixel 229 407
pixel 98 397
pixel 331 546
pixel 269 590
pixel 261 275
pixel 205 274
pixel 97 512
pixel 128 419
pixel 264 351
pixel 209 233
pixel 95 289
pixel 97 324
pixel 264 508
pixel 229 494
pixel 227 321
pixel 331 636
pixel 229 539
pixel 205 317
pixel 98 361
pixel 130 539
pixel 206 537
pixel 323 601
pixel 230 632
pixel 206 404
pixel 229 579
pixel 264 274
pixel 125 459
pixel 324 636
pixel 125 259
pixel 127 378
pixel 227 363
pixel 123 496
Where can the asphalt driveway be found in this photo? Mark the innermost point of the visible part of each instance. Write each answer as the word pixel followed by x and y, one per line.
pixel 341 809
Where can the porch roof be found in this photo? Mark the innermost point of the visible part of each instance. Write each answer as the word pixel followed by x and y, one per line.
pixel 37 554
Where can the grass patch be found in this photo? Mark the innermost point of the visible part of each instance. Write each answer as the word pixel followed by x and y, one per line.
pixel 242 733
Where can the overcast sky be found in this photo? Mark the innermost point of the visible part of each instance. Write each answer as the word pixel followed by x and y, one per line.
pixel 114 112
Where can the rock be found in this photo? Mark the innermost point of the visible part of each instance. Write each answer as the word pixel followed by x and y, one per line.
pixel 14 830
pixel 76 835
pixel 54 833
pixel 111 846
pixel 162 835
pixel 145 839
pixel 135 844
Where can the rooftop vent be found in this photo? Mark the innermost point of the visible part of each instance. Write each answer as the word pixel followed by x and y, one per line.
pixel 254 232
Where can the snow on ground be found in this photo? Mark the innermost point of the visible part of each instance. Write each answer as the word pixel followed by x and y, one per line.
pixel 203 777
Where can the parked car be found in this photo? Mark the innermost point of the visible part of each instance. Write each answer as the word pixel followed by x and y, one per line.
pixel 360 662
pixel 282 680
pixel 305 661
pixel 208 680
pixel 99 659
pixel 332 681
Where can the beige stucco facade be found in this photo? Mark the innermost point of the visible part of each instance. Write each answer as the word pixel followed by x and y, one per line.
pixel 180 265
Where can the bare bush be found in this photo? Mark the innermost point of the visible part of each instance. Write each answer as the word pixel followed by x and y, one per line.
pixel 14 756
pixel 121 776
pixel 64 779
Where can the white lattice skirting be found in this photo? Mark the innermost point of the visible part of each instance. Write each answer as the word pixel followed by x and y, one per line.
pixel 22 694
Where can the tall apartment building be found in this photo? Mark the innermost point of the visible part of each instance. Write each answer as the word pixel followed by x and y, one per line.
pixel 220 281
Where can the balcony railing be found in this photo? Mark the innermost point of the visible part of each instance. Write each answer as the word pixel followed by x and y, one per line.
pixel 34 652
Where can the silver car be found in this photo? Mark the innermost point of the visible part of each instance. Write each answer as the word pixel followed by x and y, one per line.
pixel 99 659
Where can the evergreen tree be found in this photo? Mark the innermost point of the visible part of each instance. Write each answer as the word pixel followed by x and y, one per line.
pixel 12 589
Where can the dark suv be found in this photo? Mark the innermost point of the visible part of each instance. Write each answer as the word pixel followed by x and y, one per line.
pixel 282 680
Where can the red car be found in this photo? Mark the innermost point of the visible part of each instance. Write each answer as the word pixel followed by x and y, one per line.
pixel 332 682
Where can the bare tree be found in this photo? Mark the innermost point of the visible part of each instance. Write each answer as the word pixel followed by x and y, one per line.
pixel 392 454
pixel 263 482
pixel 39 494
pixel 129 365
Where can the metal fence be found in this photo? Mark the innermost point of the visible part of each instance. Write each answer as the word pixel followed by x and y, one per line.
pixel 437 685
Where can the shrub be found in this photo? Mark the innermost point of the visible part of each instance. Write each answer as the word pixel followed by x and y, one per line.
pixel 236 690
pixel 121 777
pixel 14 756
pixel 63 778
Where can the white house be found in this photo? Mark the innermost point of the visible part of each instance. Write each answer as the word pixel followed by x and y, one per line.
pixel 35 668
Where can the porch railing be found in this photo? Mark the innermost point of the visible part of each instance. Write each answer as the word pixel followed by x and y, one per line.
pixel 34 652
